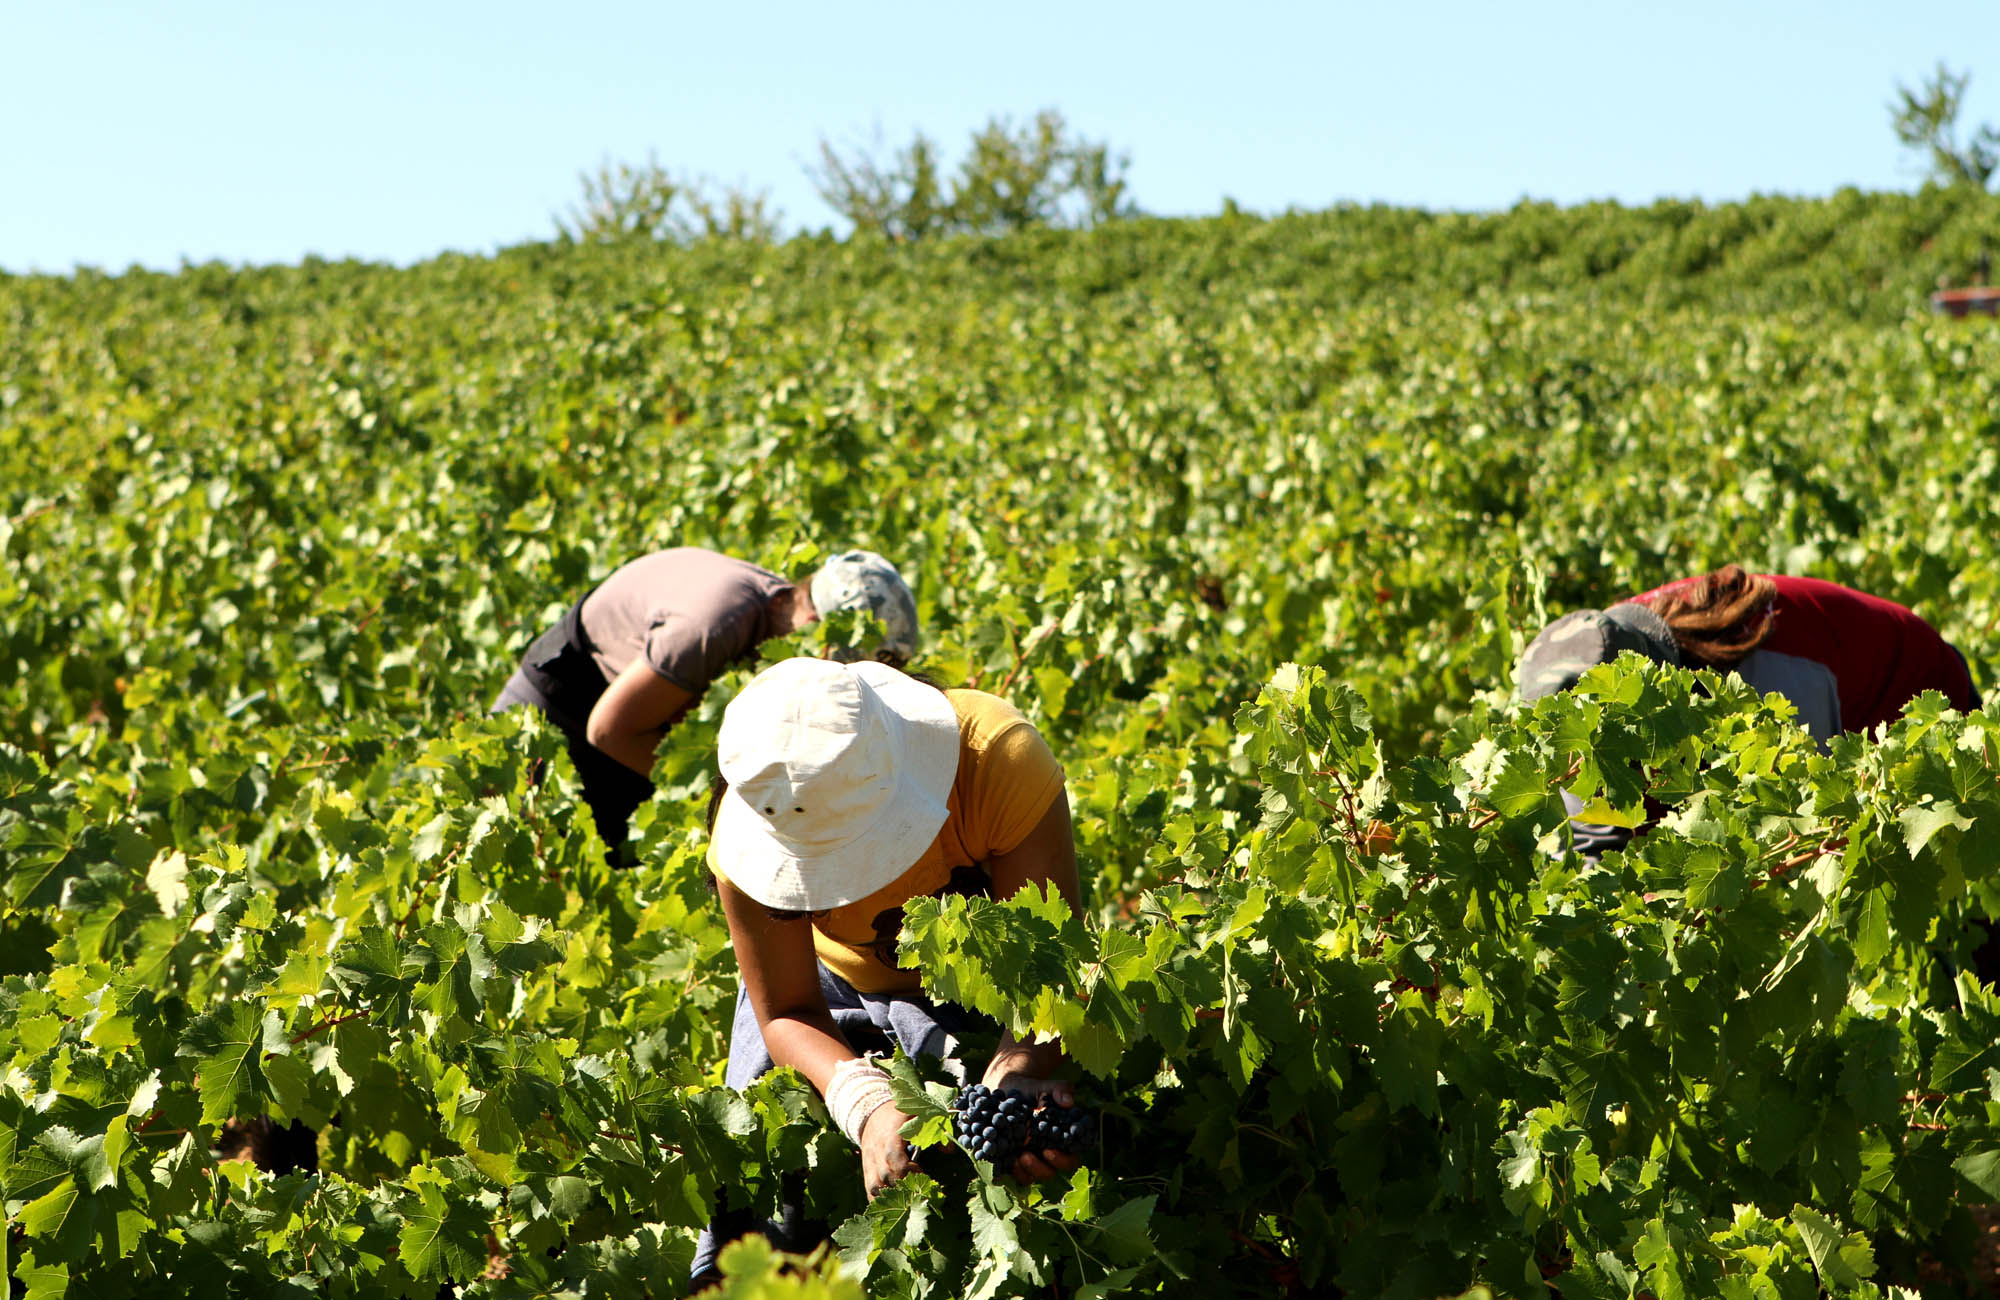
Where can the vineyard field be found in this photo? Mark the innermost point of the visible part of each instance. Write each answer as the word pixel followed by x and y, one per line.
pixel 1251 517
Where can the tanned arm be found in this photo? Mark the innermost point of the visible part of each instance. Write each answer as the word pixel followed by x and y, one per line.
pixel 781 975
pixel 631 716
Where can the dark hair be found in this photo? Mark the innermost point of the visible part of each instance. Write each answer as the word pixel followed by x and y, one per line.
pixel 1719 617
pixel 719 786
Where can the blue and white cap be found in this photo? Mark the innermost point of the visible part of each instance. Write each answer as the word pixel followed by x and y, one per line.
pixel 864 580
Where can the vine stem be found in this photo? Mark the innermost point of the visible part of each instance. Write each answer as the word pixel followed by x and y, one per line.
pixel 325 1025
pixel 1355 835
pixel 1800 859
pixel 284 758
pixel 1217 1013
pixel 401 584
pixel 1259 1129
pixel 423 887
pixel 1781 846
pixel 1042 632
pixel 616 1136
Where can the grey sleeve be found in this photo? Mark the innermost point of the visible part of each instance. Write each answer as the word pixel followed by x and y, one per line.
pixel 1807 683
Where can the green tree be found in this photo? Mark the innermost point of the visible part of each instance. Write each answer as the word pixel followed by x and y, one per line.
pixel 1011 178
pixel 1926 120
pixel 1038 175
pixel 901 196
pixel 626 201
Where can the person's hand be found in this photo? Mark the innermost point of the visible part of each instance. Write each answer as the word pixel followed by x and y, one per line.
pixel 884 1157
pixel 1034 1166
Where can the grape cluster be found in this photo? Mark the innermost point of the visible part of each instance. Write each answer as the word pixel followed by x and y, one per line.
pixel 998 1126
pixel 1069 1129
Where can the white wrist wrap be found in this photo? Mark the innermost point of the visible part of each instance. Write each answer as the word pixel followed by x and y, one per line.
pixel 857 1090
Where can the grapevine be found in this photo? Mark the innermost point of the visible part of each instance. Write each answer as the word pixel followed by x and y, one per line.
pixel 1249 516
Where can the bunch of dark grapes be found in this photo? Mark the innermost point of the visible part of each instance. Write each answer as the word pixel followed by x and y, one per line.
pixel 998 1126
pixel 1069 1129
pixel 992 1125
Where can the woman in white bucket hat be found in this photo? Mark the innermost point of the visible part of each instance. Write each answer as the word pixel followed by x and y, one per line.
pixel 851 789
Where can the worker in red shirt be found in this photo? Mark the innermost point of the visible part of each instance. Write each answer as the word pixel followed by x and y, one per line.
pixel 1846 660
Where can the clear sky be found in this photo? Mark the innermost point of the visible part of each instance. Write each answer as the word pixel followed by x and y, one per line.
pixel 261 132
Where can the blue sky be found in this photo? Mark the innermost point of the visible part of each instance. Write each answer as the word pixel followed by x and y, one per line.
pixel 153 133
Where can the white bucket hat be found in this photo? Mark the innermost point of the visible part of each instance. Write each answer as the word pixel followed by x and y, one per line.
pixel 838 776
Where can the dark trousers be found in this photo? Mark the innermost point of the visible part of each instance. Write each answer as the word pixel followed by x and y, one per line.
pixel 558 676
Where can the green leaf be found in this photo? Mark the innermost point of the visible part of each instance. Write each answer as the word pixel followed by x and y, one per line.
pixel 1657 1253
pixel 167 879
pixel 993 1234
pixel 1843 1260
pixel 85 1158
pixel 228 1047
pixel 442 1236
pixel 428 842
pixel 1520 790
pixel 1955 1057
pixel 1127 1231
pixel 50 1214
pixel 1111 1284
pixel 1982 1170
pixel 44 1281
pixel 930 1114
pixel 463 967
pixel 1599 813
pixel 1920 824
pixel 1870 930
pixel 897 1219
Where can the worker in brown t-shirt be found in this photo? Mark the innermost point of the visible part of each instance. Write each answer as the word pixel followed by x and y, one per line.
pixel 631 658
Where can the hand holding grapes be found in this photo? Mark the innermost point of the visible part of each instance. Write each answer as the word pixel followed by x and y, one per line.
pixel 1028 1126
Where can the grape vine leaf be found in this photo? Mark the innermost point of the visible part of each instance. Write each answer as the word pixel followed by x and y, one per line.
pixel 1921 823
pixel 930 1115
pixel 896 1219
pixel 227 1046
pixel 1844 1260
pixel 443 1236
pixel 43 1281
pixel 1127 1231
pixel 1982 1170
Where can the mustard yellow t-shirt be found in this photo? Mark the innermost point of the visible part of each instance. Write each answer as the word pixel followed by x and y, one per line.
pixel 1006 780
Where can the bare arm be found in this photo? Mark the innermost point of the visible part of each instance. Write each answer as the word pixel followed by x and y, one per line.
pixel 781 975
pixel 630 717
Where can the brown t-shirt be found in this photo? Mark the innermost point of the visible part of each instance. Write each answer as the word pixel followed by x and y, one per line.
pixel 688 612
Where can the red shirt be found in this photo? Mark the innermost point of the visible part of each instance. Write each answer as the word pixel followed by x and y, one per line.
pixel 1881 655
